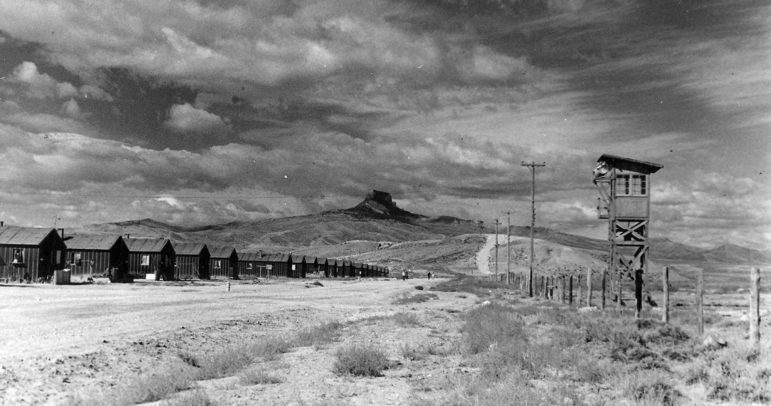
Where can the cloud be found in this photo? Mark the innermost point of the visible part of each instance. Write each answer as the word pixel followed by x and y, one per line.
pixel 38 85
pixel 94 92
pixel 185 118
pixel 71 109
pixel 41 85
pixel 486 64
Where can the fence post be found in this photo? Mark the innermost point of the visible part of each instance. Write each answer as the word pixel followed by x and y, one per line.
pixel 563 290
pixel 755 307
pixel 580 295
pixel 604 283
pixel 620 290
pixel 700 300
pixel 665 288
pixel 588 287
pixel 570 290
pixel 638 283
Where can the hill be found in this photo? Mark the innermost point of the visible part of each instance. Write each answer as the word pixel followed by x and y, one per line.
pixel 376 218
pixel 378 230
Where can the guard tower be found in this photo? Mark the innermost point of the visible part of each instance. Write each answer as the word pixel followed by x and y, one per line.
pixel 624 185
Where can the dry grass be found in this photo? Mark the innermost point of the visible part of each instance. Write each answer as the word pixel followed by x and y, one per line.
pixel 196 397
pixel 360 360
pixel 258 376
pixel 417 298
pixel 477 286
pixel 317 336
pixel 519 350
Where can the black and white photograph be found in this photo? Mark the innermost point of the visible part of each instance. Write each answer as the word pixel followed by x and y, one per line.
pixel 385 202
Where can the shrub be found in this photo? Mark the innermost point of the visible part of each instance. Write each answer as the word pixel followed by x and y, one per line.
pixel 149 388
pixel 360 360
pixel 257 376
pixel 491 324
pixel 651 388
pixel 418 298
pixel 318 335
pixel 189 359
pixel 406 319
pixel 413 353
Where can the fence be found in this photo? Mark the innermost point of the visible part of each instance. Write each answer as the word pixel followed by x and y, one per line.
pixel 559 285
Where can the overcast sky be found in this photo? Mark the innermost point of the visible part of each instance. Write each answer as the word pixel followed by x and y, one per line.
pixel 201 112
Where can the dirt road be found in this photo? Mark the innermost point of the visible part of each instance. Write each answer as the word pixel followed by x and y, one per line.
pixel 484 254
pixel 60 340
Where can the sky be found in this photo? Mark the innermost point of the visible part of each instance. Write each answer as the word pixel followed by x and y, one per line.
pixel 205 112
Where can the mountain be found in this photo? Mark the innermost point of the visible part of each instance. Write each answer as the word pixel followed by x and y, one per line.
pixel 376 218
pixel 380 205
pixel 734 254
pixel 377 224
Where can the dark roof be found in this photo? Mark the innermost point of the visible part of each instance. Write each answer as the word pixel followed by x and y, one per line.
pixel 12 235
pixel 630 164
pixel 322 261
pixel 310 260
pixel 189 248
pixel 297 259
pixel 251 256
pixel 98 242
pixel 279 257
pixel 221 252
pixel 146 244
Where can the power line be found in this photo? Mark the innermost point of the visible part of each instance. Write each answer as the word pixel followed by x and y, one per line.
pixel 532 166
pixel 508 248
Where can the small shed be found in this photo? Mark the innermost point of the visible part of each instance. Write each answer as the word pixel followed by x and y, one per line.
pixel 335 266
pixel 192 260
pixel 323 266
pixel 276 264
pixel 251 265
pixel 312 264
pixel 31 254
pixel 347 270
pixel 151 256
pixel 92 254
pixel 298 267
pixel 223 263
pixel 356 269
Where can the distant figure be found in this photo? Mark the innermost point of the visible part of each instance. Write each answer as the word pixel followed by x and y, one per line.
pixel 429 275
pixel 404 275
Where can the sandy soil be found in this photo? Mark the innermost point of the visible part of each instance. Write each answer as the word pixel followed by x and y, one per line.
pixel 58 341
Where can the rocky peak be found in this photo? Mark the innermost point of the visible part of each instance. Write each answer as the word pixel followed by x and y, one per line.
pixel 381 205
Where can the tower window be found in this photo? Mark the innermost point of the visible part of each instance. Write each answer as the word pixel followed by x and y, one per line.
pixel 631 185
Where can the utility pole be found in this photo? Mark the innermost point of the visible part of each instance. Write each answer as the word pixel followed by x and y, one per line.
pixel 532 166
pixel 508 249
pixel 496 249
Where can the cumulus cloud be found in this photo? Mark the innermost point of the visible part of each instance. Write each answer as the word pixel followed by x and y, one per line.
pixel 41 85
pixel 185 118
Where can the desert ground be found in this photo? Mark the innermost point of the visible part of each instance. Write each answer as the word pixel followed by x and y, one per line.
pixel 62 343
pixel 279 342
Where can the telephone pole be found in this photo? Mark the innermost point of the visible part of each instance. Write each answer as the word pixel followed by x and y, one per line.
pixel 508 249
pixel 532 166
pixel 496 249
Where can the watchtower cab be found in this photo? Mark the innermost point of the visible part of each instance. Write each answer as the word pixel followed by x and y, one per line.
pixel 625 188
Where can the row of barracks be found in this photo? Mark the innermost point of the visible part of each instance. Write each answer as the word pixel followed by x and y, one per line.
pixel 35 253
